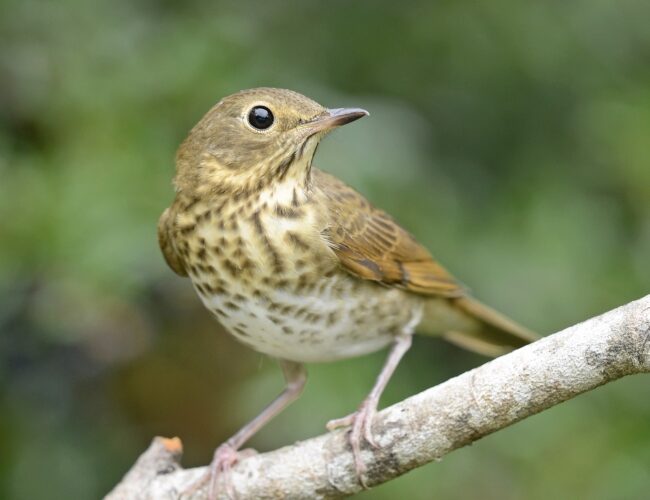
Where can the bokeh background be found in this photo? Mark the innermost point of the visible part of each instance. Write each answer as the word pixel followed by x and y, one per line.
pixel 513 138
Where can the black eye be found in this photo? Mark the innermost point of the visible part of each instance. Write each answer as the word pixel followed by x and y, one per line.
pixel 260 117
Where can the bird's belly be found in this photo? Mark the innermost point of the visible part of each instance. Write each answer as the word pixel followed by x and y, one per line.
pixel 340 317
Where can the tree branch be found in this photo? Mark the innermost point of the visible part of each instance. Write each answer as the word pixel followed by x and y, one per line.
pixel 428 425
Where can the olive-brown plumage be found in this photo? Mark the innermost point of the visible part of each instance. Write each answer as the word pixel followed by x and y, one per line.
pixel 296 264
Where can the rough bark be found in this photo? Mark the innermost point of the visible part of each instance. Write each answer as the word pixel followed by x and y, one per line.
pixel 428 425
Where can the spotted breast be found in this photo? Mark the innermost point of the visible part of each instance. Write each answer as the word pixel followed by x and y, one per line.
pixel 262 265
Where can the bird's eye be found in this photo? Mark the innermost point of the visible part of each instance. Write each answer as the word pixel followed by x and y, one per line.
pixel 260 117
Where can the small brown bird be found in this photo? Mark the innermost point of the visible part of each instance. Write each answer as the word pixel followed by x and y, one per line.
pixel 297 265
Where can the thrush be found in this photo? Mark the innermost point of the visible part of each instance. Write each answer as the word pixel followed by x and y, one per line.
pixel 297 265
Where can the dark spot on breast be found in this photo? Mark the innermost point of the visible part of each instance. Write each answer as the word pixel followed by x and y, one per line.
pixel 191 202
pixel 246 264
pixel 333 318
pixel 303 281
pixel 220 312
pixel 313 318
pixel 296 241
pixel 273 254
pixel 275 320
pixel 185 230
pixel 240 331
pixel 284 310
pixel 230 267
pixel 287 212
pixel 218 210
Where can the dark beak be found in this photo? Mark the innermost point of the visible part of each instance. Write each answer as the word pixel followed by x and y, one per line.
pixel 336 117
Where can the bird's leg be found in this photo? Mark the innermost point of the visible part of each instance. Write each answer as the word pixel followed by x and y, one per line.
pixel 226 455
pixel 361 420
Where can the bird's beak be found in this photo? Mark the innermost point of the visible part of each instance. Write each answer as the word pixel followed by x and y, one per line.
pixel 335 118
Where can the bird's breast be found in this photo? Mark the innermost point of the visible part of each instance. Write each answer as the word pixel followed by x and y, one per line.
pixel 271 280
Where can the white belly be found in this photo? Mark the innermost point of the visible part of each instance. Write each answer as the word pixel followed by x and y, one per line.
pixel 343 318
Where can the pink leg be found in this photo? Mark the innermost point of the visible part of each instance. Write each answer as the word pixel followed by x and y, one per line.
pixel 226 455
pixel 361 420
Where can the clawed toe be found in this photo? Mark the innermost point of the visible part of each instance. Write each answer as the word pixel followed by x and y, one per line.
pixel 337 423
pixel 361 423
pixel 219 470
pixel 367 431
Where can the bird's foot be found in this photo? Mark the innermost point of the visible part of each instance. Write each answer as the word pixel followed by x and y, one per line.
pixel 225 456
pixel 361 423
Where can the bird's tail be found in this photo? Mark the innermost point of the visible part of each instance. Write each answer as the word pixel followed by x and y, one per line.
pixel 474 326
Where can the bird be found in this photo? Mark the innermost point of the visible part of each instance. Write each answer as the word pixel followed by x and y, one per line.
pixel 297 265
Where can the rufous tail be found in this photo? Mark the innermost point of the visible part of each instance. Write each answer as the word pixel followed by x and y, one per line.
pixel 466 322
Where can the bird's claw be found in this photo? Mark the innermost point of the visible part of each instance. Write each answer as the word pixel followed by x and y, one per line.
pixel 337 423
pixel 361 423
pixel 225 456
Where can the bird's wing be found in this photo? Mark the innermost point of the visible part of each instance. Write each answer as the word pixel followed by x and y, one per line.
pixel 165 243
pixel 371 245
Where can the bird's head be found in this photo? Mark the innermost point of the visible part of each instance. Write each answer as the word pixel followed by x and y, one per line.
pixel 255 137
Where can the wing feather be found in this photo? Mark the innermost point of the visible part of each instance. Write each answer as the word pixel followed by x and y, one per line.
pixel 371 245
pixel 164 241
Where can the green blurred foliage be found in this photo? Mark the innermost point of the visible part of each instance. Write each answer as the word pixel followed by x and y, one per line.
pixel 511 137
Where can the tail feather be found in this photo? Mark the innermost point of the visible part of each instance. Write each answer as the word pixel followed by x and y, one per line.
pixel 466 322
